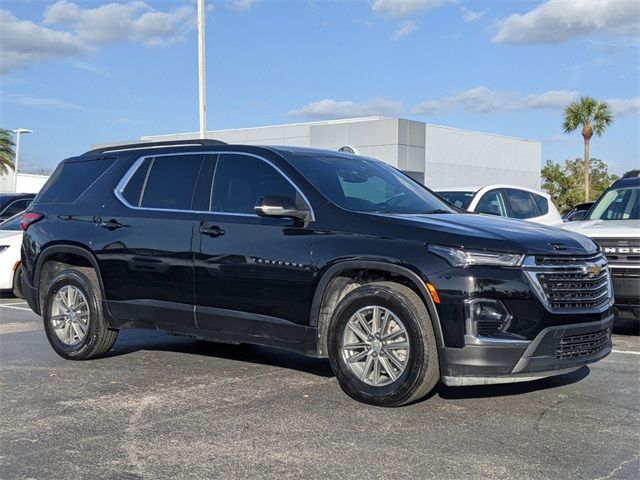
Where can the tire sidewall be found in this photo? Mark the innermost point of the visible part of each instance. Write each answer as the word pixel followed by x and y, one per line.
pixel 394 393
pixel 81 282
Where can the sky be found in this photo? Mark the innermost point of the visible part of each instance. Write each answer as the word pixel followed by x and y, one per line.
pixel 85 72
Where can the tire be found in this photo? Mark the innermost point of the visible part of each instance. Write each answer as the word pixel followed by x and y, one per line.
pixel 98 338
pixel 421 370
pixel 17 287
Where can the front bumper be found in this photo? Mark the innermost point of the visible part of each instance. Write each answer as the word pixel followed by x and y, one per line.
pixel 554 351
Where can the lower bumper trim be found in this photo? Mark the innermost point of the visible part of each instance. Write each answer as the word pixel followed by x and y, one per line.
pixel 498 379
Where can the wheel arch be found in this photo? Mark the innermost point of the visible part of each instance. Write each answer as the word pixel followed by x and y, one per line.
pixel 65 254
pixel 325 296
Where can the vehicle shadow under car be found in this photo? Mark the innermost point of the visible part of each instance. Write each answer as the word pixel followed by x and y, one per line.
pixel 133 340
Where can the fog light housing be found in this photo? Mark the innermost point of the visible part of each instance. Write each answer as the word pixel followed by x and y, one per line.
pixel 486 317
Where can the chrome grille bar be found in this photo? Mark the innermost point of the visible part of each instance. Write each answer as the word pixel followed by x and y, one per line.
pixel 570 284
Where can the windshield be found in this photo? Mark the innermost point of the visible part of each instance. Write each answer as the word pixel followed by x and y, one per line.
pixel 459 199
pixel 365 185
pixel 12 223
pixel 617 204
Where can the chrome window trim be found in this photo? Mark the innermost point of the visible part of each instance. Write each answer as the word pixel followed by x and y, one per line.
pixel 124 181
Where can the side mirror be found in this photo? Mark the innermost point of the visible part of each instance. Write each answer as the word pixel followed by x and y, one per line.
pixel 281 207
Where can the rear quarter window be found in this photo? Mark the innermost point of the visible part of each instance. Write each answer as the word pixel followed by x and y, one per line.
pixel 542 203
pixel 71 180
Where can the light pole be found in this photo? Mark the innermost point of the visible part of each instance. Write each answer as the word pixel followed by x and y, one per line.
pixel 202 74
pixel 16 162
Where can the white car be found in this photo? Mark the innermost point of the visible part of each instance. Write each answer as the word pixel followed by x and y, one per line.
pixel 505 201
pixel 10 242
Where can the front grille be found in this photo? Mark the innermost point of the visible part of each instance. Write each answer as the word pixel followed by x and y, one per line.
pixel 625 272
pixel 565 284
pixel 576 346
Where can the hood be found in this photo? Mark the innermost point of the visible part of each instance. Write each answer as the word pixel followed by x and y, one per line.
pixel 486 232
pixel 606 228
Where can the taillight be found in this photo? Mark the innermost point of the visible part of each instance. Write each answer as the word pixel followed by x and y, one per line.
pixel 29 219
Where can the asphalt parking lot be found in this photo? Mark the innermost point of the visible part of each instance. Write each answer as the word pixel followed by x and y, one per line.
pixel 169 407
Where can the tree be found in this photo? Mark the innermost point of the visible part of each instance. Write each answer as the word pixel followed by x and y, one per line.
pixel 7 152
pixel 594 117
pixel 565 183
pixel 632 173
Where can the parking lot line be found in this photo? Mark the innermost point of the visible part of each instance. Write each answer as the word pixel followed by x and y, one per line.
pixel 625 351
pixel 15 308
pixel 14 303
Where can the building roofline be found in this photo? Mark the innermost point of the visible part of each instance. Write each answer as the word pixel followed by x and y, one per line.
pixel 319 122
pixel 458 129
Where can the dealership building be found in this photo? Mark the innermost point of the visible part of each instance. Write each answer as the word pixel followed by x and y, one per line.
pixel 435 155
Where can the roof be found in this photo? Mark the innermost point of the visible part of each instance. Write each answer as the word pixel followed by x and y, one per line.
pixel 626 182
pixel 477 188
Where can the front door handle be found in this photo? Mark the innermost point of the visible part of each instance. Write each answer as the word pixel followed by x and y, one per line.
pixel 211 230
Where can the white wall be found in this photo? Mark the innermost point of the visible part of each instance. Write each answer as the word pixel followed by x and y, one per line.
pixel 27 183
pixel 460 157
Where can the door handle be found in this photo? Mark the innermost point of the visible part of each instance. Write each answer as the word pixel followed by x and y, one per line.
pixel 211 230
pixel 111 224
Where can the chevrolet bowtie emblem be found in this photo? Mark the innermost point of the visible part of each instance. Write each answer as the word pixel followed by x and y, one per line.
pixel 594 270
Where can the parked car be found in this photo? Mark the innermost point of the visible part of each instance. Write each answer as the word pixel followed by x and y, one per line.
pixel 504 201
pixel 323 253
pixel 577 213
pixel 10 242
pixel 614 222
pixel 14 203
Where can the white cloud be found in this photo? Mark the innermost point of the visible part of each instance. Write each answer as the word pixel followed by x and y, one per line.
pixel 120 22
pixel 41 102
pixel 471 16
pixel 243 5
pixel 404 8
pixel 406 28
pixel 557 21
pixel 331 109
pixel 23 42
pixel 622 106
pixel 484 100
pixel 68 30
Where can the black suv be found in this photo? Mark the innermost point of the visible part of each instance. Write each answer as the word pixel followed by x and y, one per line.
pixel 320 252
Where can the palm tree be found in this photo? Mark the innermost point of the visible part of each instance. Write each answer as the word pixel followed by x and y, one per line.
pixel 7 153
pixel 594 117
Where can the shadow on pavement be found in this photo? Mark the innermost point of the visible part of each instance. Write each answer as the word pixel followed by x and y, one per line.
pixel 132 340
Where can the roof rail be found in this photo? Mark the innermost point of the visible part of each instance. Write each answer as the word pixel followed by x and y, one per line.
pixel 167 143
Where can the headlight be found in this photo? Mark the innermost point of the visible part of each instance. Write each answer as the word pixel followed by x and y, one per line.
pixel 458 257
pixel 3 248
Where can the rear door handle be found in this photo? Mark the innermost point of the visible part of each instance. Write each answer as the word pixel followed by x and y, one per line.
pixel 211 230
pixel 111 224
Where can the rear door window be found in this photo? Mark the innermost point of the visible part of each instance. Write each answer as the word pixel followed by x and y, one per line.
pixel 521 204
pixel 492 203
pixel 170 182
pixel 71 180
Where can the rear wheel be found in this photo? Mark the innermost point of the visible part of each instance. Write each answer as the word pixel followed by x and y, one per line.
pixel 73 319
pixel 382 345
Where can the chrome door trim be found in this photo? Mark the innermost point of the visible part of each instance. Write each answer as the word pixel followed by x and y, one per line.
pixel 132 170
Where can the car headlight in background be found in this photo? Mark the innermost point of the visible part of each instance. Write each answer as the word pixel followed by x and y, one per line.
pixel 3 248
pixel 458 257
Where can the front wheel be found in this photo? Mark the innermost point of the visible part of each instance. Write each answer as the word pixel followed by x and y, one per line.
pixel 382 345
